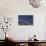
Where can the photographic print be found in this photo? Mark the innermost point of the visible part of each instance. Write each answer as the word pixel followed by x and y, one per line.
pixel 25 19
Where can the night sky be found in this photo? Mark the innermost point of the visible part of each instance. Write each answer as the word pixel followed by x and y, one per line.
pixel 25 20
